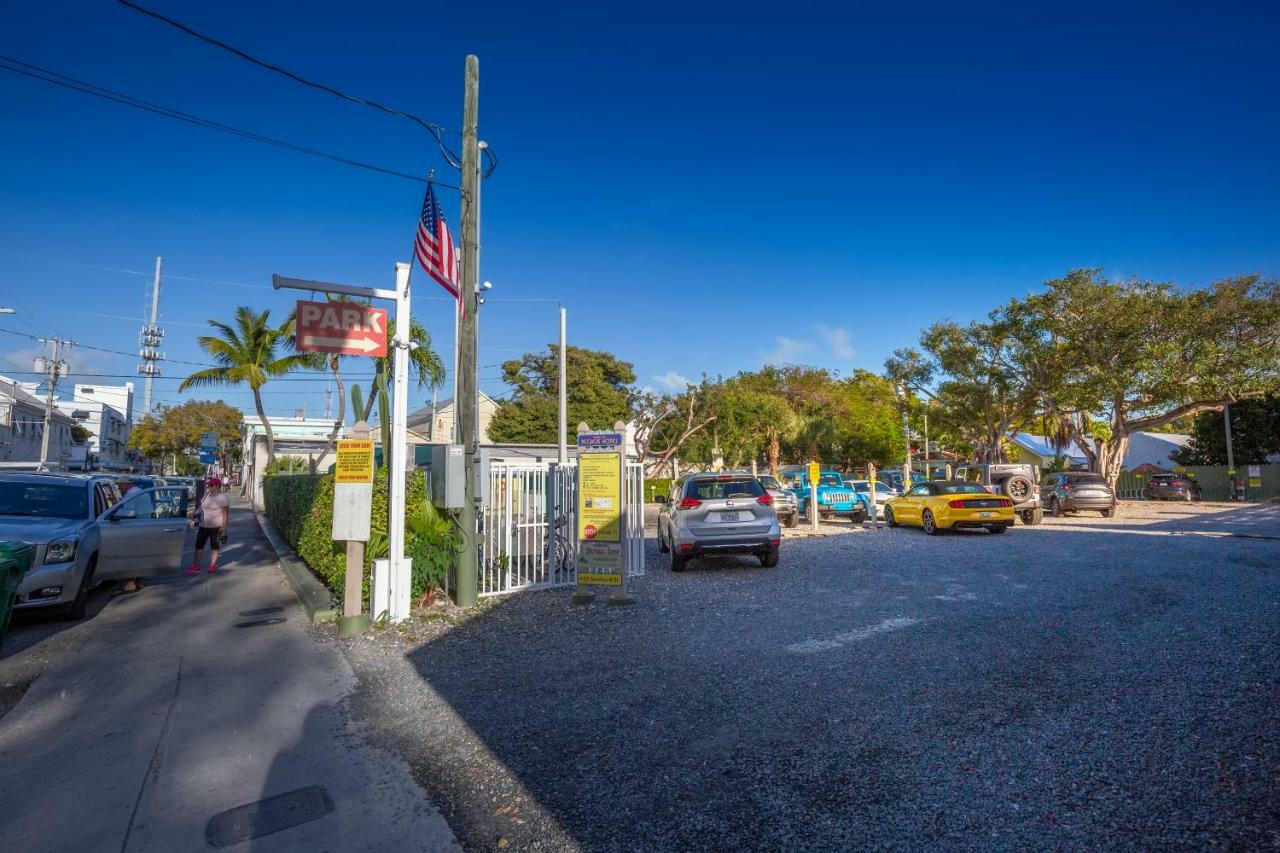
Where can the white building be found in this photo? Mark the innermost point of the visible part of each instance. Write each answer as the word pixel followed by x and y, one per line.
pixel 108 444
pixel 304 438
pixel 118 397
pixel 22 428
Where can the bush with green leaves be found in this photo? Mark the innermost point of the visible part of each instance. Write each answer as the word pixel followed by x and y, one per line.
pixel 433 542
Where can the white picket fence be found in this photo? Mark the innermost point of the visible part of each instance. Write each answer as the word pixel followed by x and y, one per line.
pixel 527 527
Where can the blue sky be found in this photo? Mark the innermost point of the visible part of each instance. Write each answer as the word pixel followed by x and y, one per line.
pixel 705 188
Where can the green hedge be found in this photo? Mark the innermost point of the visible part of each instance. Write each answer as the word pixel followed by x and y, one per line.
pixel 655 487
pixel 301 508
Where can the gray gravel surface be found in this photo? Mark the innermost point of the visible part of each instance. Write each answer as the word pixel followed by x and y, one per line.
pixel 1087 683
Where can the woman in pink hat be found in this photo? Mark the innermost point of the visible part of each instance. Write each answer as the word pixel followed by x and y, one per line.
pixel 212 521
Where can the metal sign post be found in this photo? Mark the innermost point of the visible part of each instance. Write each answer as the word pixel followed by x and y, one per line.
pixel 815 474
pixel 352 508
pixel 602 515
pixel 400 568
pixel 871 479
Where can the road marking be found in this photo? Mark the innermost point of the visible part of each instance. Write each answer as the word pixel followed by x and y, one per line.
pixel 810 646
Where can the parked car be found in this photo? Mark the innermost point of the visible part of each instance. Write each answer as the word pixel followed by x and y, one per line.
pixel 943 505
pixel 718 514
pixel 834 497
pixel 883 493
pixel 1073 491
pixel 1172 487
pixel 84 535
pixel 892 477
pixel 1018 482
pixel 784 500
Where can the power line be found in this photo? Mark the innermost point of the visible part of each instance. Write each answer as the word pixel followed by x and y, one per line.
pixel 112 351
pixel 36 72
pixel 432 128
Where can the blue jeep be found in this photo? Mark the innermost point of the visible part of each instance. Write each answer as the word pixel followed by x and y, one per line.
pixel 834 497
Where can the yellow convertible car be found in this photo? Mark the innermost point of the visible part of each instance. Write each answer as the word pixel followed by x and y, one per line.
pixel 944 505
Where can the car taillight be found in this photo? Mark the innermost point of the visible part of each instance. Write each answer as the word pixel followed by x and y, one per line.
pixel 689 503
pixel 956 504
pixel 1066 488
pixel 765 500
pixel 1179 483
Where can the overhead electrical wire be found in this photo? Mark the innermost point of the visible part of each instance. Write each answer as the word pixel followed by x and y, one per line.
pixel 45 75
pixel 430 127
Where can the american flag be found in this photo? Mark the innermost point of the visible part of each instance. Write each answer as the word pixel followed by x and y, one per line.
pixel 433 246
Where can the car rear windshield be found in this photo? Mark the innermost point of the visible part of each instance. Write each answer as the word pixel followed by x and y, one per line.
pixel 736 487
pixel 962 489
pixel 1082 479
pixel 770 483
pixel 43 500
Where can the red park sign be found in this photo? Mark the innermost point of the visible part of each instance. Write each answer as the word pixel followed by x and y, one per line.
pixel 341 327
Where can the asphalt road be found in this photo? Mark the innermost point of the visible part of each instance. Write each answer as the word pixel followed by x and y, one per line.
pixel 1087 683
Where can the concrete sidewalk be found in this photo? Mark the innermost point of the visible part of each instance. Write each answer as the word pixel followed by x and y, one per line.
pixel 170 713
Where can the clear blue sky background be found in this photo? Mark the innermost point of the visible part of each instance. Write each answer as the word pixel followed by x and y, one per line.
pixel 704 188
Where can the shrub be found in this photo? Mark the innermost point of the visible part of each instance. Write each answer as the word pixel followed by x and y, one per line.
pixel 288 501
pixel 434 544
pixel 655 487
pixel 287 465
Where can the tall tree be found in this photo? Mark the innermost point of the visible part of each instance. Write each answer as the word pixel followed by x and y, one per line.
pixel 177 430
pixel 668 423
pixel 597 390
pixel 246 352
pixel 1139 354
pixel 1255 435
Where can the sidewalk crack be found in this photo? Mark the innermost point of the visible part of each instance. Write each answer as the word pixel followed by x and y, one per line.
pixel 152 766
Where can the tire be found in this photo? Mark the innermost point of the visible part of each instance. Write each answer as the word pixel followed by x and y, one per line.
pixel 678 562
pixel 929 525
pixel 1017 487
pixel 1107 513
pixel 76 609
pixel 888 517
pixel 1032 516
pixel 998 528
pixel 792 520
pixel 769 558
pixel 1055 508
pixel 858 517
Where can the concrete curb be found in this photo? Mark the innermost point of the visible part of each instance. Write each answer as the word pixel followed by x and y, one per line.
pixel 313 595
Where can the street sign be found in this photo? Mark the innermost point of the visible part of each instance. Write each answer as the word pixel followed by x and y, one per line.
pixel 346 328
pixel 208 442
pixel 1255 476
pixel 353 490
pixel 601 555
pixel 815 472
pixel 207 459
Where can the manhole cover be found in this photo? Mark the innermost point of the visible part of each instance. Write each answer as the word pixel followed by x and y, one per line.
pixel 267 816
pixel 261 611
pixel 255 622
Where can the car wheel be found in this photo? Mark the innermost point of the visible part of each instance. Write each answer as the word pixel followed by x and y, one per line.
pixel 888 517
pixel 930 526
pixel 75 610
pixel 1017 487
pixel 1032 516
pixel 1055 508
pixel 998 528
pixel 1107 513
pixel 769 558
pixel 678 562
pixel 792 520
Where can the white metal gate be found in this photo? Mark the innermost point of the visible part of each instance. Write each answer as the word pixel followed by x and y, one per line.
pixel 527 527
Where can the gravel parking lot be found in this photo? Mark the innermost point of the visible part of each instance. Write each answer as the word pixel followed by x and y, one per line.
pixel 1088 683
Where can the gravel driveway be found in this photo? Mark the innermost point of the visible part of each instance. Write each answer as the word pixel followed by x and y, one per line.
pixel 1089 683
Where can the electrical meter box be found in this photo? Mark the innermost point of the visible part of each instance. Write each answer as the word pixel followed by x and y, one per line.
pixel 446 476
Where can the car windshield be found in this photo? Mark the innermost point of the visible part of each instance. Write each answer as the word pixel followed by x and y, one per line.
pixel 770 483
pixel 883 489
pixel 43 500
pixel 961 489
pixel 735 487
pixel 861 486
pixel 831 480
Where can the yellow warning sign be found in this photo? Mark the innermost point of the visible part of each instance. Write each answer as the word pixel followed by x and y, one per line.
pixel 600 497
pixel 355 461
pixel 815 473
pixel 599 579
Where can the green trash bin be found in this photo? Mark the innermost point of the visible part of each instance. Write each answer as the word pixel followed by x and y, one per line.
pixel 15 560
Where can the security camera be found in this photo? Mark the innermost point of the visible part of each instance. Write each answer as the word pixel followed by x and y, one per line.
pixel 488 285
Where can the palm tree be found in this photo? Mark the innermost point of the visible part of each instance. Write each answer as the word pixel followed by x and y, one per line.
pixel 321 361
pixel 246 354
pixel 424 363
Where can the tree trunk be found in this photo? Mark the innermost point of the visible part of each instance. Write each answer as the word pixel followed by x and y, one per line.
pixel 775 450
pixel 1111 455
pixel 342 415
pixel 266 426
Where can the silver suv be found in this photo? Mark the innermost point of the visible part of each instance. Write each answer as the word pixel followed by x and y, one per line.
pixel 84 535
pixel 785 503
pixel 718 514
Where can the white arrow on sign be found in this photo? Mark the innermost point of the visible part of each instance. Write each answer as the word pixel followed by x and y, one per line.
pixel 346 343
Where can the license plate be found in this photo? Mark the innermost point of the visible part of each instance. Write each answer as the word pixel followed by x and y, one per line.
pixel 727 516
pixel 985 514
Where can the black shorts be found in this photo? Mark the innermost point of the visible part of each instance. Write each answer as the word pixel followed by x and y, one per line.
pixel 208 534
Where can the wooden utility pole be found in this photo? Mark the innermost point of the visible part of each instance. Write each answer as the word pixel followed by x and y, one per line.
pixel 465 400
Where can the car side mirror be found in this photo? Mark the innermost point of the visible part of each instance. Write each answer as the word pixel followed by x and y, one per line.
pixel 123 515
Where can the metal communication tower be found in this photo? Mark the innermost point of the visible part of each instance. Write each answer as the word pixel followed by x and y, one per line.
pixel 149 339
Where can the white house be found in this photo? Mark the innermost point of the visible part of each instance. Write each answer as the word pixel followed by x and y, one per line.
pixel 22 428
pixel 1145 448
pixel 301 437
pixel 434 424
pixel 118 397
pixel 108 444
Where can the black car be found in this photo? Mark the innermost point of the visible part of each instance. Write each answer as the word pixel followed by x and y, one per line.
pixel 1172 487
pixel 1073 491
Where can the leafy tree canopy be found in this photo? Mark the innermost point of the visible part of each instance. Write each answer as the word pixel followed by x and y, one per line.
pixel 598 393
pixel 1255 435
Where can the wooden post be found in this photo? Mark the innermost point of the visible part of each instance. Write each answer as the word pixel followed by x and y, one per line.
pixel 871 478
pixel 354 621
